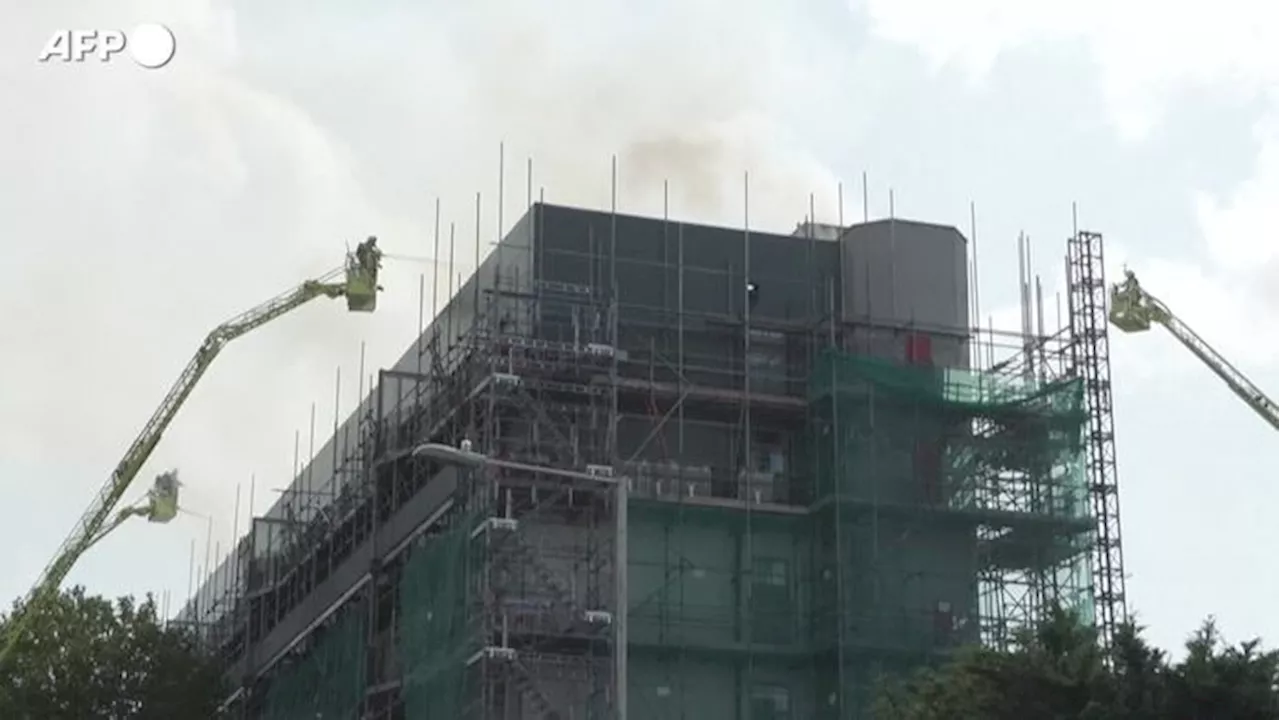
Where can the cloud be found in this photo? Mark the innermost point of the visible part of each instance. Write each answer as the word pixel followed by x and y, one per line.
pixel 1146 52
pixel 1243 229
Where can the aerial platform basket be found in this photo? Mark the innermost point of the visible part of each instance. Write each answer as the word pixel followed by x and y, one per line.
pixel 1130 309
pixel 162 498
pixel 362 276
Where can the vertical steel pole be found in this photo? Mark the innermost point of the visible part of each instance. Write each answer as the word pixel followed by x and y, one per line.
pixel 620 595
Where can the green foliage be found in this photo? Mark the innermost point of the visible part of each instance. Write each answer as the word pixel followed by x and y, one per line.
pixel 1058 672
pixel 86 657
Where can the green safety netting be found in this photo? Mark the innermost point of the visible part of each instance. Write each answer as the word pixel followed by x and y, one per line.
pixel 434 635
pixel 944 451
pixel 978 391
pixel 965 433
pixel 950 507
pixel 327 683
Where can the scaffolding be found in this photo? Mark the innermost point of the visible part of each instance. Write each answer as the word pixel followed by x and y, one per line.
pixel 516 588
pixel 818 496
pixel 1090 360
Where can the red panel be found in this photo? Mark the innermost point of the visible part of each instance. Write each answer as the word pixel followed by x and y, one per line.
pixel 919 349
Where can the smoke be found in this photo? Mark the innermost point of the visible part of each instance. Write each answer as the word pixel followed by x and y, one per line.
pixel 655 93
pixel 138 209
pixel 675 91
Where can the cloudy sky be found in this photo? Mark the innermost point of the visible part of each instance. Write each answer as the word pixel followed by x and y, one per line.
pixel 139 208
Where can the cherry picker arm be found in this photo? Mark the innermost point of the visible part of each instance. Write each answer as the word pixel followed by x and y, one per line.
pixel 360 288
pixel 1133 310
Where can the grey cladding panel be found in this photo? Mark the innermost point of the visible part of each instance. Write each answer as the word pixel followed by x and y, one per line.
pixel 905 271
pixel 793 272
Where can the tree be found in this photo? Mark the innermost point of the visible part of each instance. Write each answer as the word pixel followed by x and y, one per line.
pixel 86 657
pixel 1223 681
pixel 1059 672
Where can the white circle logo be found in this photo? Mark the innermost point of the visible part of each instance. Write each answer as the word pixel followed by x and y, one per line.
pixel 151 45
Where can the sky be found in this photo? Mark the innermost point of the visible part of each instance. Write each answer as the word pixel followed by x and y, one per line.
pixel 140 208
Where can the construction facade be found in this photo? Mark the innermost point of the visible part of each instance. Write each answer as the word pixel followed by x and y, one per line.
pixel 728 474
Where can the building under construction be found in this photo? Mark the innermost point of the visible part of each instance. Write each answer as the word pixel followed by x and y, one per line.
pixel 829 475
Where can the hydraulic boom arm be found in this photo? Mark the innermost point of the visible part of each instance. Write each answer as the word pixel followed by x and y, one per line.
pixel 360 289
pixel 1133 310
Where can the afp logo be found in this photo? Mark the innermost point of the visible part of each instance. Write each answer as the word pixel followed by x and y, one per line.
pixel 151 45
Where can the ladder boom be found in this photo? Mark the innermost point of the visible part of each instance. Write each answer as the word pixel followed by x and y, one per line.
pixel 136 456
pixel 1239 384
pixel 360 288
pixel 1133 309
